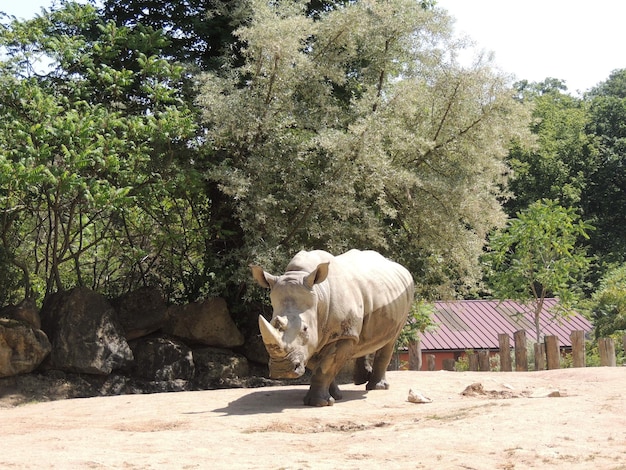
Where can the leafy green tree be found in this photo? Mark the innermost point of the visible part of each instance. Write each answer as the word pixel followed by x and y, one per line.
pixel 92 193
pixel 199 32
pixel 557 164
pixel 608 303
pixel 604 200
pixel 357 128
pixel 538 256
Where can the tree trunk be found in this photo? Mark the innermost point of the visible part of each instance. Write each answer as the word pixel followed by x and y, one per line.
pixel 540 356
pixel 538 309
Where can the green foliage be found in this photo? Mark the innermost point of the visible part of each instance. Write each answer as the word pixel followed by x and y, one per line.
pixel 357 128
pixel 558 163
pixel 608 304
pixel 462 363
pixel 538 256
pixel 604 202
pixel 577 159
pixel 198 32
pixel 91 152
pixel 419 321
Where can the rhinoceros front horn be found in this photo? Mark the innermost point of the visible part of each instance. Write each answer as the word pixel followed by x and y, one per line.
pixel 271 336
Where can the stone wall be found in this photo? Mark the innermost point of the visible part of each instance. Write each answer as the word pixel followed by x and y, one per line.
pixel 131 344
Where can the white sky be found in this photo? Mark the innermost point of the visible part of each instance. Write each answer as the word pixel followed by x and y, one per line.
pixel 579 42
pixel 23 9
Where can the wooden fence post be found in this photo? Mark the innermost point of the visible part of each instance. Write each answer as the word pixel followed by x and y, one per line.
pixel 606 346
pixel 540 356
pixel 448 364
pixel 578 348
pixel 521 357
pixel 483 360
pixel 415 355
pixel 430 358
pixel 505 352
pixel 472 360
pixel 553 354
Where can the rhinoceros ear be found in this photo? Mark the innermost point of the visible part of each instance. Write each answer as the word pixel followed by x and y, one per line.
pixel 261 277
pixel 317 276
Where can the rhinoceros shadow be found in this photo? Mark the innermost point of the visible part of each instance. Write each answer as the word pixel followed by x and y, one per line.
pixel 276 401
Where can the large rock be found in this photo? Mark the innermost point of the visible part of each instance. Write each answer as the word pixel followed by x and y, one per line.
pixel 255 350
pixel 161 359
pixel 219 368
pixel 22 347
pixel 207 323
pixel 141 312
pixel 84 332
pixel 26 311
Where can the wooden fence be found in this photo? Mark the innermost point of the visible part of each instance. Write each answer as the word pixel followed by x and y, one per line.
pixel 546 354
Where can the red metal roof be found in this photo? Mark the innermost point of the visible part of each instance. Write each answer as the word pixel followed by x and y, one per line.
pixel 475 324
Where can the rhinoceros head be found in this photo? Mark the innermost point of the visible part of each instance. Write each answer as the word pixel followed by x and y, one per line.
pixel 291 337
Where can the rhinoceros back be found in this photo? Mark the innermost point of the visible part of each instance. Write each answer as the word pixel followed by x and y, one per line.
pixel 308 260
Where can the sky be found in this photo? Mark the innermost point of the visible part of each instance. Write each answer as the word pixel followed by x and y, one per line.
pixel 578 42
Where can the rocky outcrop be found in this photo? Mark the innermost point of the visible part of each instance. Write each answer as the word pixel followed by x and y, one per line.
pixel 93 346
pixel 161 359
pixel 141 312
pixel 219 368
pixel 84 333
pixel 26 311
pixel 22 347
pixel 208 323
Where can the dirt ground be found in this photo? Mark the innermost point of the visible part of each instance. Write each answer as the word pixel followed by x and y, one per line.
pixel 506 422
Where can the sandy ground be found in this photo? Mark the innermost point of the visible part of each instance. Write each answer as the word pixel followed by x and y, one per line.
pixel 513 424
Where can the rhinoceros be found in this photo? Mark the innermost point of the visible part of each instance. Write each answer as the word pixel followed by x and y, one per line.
pixel 329 309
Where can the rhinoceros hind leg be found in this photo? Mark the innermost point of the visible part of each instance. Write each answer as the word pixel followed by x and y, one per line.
pixel 381 385
pixel 362 369
pixel 381 362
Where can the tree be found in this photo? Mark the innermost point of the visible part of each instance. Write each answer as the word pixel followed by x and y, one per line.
pixel 558 163
pixel 608 303
pixel 92 191
pixel 538 256
pixel 604 199
pixel 357 128
pixel 199 32
pixel 326 125
pixel 577 159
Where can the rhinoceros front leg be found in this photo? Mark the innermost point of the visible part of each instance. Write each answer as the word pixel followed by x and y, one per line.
pixel 324 390
pixel 378 380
